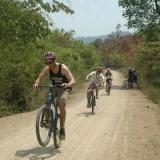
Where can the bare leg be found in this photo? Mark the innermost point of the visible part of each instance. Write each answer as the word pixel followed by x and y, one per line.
pixel 106 86
pixel 97 89
pixel 87 95
pixel 62 114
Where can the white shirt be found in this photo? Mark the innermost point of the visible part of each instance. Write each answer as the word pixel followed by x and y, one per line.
pixel 95 77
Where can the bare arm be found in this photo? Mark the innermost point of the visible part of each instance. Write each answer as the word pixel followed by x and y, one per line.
pixel 41 76
pixel 87 77
pixel 68 74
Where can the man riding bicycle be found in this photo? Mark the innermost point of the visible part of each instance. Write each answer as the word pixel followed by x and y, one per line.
pixel 109 77
pixel 95 77
pixel 59 74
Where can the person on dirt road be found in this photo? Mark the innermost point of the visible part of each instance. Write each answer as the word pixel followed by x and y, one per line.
pixel 109 77
pixel 134 77
pixel 58 74
pixel 97 77
pixel 130 76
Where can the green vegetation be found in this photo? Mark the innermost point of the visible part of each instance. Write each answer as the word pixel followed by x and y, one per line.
pixel 26 36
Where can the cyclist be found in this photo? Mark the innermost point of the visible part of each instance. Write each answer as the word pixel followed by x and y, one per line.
pixel 109 77
pixel 58 74
pixel 97 77
pixel 130 75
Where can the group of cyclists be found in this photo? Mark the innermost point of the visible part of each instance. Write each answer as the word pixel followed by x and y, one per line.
pixel 60 74
pixel 98 77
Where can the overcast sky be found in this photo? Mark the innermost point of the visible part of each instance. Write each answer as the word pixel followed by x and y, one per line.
pixel 91 18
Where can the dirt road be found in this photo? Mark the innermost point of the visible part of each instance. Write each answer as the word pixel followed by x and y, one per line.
pixel 125 126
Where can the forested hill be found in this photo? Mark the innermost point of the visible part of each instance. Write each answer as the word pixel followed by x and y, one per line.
pixel 103 37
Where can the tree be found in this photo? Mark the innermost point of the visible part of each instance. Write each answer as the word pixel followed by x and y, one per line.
pixel 26 21
pixel 141 14
pixel 118 31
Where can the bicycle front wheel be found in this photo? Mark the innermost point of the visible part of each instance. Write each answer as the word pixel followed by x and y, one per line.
pixel 93 104
pixel 109 88
pixel 43 133
pixel 56 133
pixel 92 100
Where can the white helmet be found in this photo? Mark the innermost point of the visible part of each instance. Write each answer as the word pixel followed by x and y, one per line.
pixel 108 69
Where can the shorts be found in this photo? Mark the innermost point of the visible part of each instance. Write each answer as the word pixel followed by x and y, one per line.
pixel 60 93
pixel 134 81
pixel 109 79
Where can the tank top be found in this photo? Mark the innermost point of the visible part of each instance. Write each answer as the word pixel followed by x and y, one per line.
pixel 58 78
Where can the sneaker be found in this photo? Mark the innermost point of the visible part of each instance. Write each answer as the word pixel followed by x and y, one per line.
pixel 62 134
pixel 88 105
pixel 45 124
pixel 96 97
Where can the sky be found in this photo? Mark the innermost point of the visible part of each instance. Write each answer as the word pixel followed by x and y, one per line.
pixel 91 17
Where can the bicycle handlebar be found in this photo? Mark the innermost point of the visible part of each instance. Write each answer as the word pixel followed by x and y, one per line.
pixel 57 85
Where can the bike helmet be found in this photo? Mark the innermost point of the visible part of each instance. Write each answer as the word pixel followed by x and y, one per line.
pixel 129 68
pixel 99 69
pixel 49 55
pixel 108 69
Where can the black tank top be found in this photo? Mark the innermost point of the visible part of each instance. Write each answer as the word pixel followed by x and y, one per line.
pixel 58 78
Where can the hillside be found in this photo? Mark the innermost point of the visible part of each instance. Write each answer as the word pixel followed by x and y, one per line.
pixel 103 37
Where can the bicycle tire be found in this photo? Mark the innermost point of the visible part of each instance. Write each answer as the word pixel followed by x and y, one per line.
pixel 109 88
pixel 92 101
pixel 93 104
pixel 56 133
pixel 125 84
pixel 47 131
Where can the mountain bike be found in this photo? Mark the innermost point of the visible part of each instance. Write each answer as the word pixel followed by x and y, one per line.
pixel 92 98
pixel 125 84
pixel 46 126
pixel 109 86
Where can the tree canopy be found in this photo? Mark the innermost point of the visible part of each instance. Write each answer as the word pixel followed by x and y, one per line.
pixel 26 21
pixel 141 14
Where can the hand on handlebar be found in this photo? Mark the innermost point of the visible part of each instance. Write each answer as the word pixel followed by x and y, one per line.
pixel 36 85
pixel 65 85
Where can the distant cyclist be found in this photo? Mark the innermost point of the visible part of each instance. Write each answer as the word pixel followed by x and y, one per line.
pixel 97 77
pixel 109 77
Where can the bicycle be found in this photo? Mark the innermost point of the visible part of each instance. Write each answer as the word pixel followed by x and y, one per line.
pixel 109 87
pixel 46 126
pixel 92 98
pixel 126 86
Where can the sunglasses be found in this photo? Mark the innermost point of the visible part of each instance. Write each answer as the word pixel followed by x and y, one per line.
pixel 47 63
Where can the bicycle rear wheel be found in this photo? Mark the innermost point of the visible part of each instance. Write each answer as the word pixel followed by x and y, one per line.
pixel 56 133
pixel 125 84
pixel 43 133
